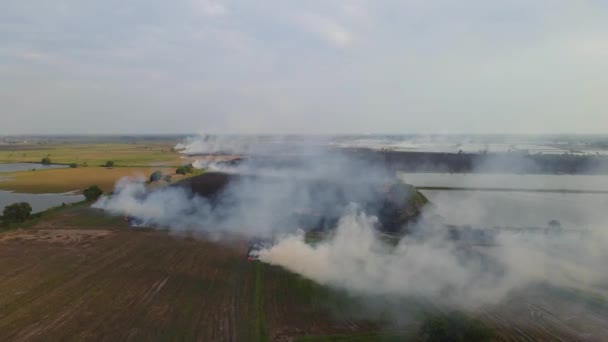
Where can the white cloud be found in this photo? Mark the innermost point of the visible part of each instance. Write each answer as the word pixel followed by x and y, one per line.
pixel 358 65
pixel 326 28
pixel 212 8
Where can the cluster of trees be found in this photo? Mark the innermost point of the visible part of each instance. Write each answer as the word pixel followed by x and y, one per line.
pixel 158 175
pixel 17 212
pixel 47 161
pixel 185 169
pixel 92 193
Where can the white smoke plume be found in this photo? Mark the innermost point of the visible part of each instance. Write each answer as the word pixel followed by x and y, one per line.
pixel 216 144
pixel 355 256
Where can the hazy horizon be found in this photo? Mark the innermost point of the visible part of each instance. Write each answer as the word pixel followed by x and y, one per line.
pixel 287 67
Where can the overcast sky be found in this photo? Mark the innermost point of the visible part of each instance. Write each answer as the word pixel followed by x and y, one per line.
pixel 317 66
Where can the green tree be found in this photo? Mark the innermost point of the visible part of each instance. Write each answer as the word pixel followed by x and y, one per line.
pixel 92 193
pixel 46 161
pixel 184 169
pixel 17 212
pixel 109 163
pixel 73 165
pixel 156 176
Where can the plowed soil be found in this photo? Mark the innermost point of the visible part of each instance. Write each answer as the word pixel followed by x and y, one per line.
pixel 80 275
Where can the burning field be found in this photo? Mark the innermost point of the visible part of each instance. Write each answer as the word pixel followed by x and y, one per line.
pixel 322 245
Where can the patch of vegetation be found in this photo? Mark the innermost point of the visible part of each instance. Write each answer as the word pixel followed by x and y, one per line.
pixel 45 161
pixel 92 193
pixel 16 212
pixel 156 176
pixel 37 217
pixel 90 218
pixel 259 321
pixel 73 165
pixel 184 169
pixel 454 327
pixel 109 163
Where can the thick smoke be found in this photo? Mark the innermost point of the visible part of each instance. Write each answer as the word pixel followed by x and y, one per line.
pixel 214 144
pixel 356 257
pixel 475 269
pixel 263 202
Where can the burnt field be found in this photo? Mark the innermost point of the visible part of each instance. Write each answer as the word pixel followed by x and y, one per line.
pixel 504 162
pixel 396 204
pixel 512 162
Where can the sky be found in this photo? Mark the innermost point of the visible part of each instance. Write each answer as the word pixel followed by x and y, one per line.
pixel 309 67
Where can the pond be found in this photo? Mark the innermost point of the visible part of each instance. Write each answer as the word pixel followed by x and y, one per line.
pixel 14 167
pixel 39 202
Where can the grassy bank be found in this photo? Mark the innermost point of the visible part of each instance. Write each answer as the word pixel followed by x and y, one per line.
pixel 38 217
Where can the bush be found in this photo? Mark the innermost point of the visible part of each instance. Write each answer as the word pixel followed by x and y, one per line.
pixel 109 163
pixel 167 178
pixel 454 326
pixel 184 169
pixel 73 165
pixel 46 161
pixel 17 212
pixel 92 193
pixel 156 176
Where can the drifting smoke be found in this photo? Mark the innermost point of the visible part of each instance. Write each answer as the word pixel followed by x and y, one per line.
pixel 261 205
pixel 214 164
pixel 355 256
pixel 214 144
pixel 250 144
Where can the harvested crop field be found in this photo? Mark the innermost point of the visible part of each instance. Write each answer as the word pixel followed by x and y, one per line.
pixel 123 154
pixel 79 274
pixel 64 180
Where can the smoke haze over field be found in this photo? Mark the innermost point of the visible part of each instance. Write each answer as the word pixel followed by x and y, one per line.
pixel 357 257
